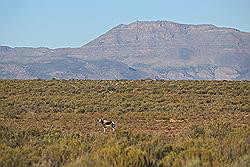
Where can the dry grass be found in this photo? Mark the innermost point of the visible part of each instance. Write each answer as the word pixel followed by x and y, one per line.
pixel 159 123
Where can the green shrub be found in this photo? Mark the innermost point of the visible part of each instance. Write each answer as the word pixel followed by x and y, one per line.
pixel 159 123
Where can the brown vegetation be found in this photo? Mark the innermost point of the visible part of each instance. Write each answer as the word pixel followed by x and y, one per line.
pixel 159 123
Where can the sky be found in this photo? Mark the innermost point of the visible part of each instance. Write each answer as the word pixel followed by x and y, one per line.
pixel 73 23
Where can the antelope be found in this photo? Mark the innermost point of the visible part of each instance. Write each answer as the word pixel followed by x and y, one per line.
pixel 106 123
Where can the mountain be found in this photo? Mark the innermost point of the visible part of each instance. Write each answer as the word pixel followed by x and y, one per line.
pixel 143 49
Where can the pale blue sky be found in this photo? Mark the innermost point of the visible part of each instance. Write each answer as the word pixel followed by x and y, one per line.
pixel 72 23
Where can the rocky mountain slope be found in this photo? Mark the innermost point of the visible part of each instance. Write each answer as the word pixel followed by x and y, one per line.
pixel 148 49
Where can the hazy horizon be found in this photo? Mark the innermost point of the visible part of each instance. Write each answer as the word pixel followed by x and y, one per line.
pixel 62 23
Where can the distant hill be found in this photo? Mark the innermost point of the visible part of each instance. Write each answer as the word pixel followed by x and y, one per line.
pixel 143 49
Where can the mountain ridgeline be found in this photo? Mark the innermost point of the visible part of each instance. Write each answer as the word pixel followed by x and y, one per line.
pixel 143 49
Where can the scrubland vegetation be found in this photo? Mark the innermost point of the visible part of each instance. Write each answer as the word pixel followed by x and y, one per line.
pixel 159 123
